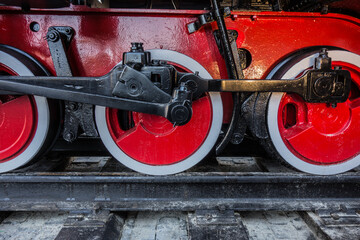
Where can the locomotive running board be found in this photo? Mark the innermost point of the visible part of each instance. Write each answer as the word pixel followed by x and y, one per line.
pixel 252 191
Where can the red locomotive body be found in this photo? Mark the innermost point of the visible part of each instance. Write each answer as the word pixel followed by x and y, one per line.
pixel 315 137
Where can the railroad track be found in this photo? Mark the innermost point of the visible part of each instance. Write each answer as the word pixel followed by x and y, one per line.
pixel 173 225
pixel 242 197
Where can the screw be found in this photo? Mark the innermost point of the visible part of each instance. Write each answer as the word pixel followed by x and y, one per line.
pixel 137 47
pixel 323 86
pixel 53 36
pixel 69 137
pixel 34 26
pixel 73 106
pixel 237 138
pixel 324 52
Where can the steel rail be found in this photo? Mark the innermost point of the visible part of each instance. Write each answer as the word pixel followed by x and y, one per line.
pixel 186 192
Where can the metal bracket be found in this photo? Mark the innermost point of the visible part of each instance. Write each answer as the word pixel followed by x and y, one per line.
pixel 233 35
pixel 205 19
pixel 238 127
pixel 215 217
pixel 76 114
pixel 58 39
pixel 341 216
pixel 92 225
pixel 216 224
pixel 233 66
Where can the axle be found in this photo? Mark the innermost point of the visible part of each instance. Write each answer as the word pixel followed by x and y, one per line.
pixel 149 86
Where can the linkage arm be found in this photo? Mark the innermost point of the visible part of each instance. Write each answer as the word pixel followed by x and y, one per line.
pixel 133 90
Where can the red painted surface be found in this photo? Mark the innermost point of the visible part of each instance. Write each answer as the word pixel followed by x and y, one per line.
pixel 17 122
pixel 102 35
pixel 158 138
pixel 153 140
pixel 319 133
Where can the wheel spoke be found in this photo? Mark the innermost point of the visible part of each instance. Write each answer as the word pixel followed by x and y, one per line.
pixel 299 132
pixel 16 113
pixel 354 105
pixel 294 111
pixel 16 124
pixel 12 107
pixel 131 136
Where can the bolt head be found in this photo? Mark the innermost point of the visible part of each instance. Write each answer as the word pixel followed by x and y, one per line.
pixel 73 106
pixel 69 137
pixel 52 36
pixel 323 86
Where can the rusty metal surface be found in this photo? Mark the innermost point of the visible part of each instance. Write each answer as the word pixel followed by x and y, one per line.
pixel 172 225
pixel 128 191
pixel 189 205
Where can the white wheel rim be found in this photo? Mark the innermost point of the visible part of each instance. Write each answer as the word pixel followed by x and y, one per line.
pixel 43 118
pixel 272 119
pixel 201 152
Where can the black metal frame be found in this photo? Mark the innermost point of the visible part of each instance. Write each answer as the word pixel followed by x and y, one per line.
pixel 77 115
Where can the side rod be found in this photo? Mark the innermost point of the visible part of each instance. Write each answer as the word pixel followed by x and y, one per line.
pixel 312 86
pixel 80 86
pixel 130 90
pixel 92 90
pixel 246 85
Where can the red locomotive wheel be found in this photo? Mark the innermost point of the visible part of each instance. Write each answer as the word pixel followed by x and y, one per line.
pixel 316 137
pixel 17 124
pixel 24 120
pixel 151 144
pixel 162 135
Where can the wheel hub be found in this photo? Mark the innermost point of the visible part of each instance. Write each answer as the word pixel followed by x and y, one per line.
pixel 329 120
pixel 154 124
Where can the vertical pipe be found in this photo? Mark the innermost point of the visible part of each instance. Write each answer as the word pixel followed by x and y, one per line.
pixel 228 56
pixel 232 72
